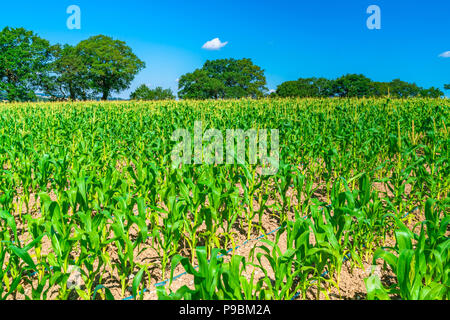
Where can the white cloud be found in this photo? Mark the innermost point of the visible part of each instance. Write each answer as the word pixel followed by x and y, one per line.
pixel 272 90
pixel 214 44
pixel 445 54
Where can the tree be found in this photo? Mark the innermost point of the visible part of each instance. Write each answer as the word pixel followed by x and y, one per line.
pixel 402 89
pixel 23 63
pixel 69 77
pixel 431 92
pixel 323 87
pixel 379 89
pixel 111 64
pixel 289 89
pixel 306 87
pixel 224 79
pixel 199 85
pixel 447 86
pixel 145 93
pixel 352 85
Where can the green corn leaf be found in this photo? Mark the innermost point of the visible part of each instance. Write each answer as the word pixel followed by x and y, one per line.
pixel 108 293
pixel 22 254
pixel 137 281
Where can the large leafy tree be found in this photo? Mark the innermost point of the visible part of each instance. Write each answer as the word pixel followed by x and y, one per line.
pixel 199 85
pixel 69 78
pixel 224 79
pixel 111 64
pixel 379 89
pixel 402 89
pixel 145 93
pixel 24 63
pixel 352 85
pixel 289 89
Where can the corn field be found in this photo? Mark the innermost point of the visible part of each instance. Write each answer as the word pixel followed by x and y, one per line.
pixel 91 207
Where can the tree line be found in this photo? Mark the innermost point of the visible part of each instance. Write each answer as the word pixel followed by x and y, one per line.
pixel 354 85
pixel 100 66
pixel 94 68
pixel 234 79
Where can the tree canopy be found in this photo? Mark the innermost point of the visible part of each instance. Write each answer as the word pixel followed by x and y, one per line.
pixel 224 79
pixel 23 63
pixel 353 85
pixel 69 77
pixel 111 64
pixel 308 87
pixel 98 65
pixel 145 93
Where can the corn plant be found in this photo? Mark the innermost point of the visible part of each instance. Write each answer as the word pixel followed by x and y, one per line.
pixel 419 261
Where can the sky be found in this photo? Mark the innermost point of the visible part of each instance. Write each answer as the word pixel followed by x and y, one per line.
pixel 288 39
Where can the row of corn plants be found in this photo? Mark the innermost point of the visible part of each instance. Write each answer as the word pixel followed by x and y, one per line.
pixel 88 190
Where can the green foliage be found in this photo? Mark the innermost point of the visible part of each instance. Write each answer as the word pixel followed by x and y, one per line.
pixel 98 65
pixel 206 279
pixel 111 64
pixel 144 93
pixel 402 89
pixel 224 79
pixel 431 93
pixel 419 261
pixel 304 88
pixel 70 75
pixel 23 64
pixel 353 85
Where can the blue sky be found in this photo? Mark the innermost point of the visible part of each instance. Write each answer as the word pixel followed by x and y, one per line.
pixel 288 39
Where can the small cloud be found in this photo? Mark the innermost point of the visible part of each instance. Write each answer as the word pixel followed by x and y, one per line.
pixel 445 54
pixel 214 44
pixel 272 90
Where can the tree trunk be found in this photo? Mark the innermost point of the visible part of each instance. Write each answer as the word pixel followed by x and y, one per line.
pixel 73 96
pixel 105 94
